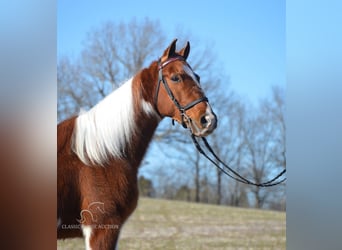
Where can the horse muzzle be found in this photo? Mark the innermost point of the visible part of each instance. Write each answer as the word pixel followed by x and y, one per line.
pixel 206 124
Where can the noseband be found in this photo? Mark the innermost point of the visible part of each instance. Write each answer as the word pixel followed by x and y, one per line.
pixel 181 108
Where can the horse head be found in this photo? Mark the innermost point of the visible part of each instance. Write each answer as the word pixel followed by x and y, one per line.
pixel 179 94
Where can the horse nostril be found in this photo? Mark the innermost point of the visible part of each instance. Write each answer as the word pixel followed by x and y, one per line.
pixel 205 121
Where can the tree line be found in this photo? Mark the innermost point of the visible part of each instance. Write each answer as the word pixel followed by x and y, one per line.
pixel 250 138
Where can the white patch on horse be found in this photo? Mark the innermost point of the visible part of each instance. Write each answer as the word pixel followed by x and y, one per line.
pixel 148 108
pixel 107 128
pixel 189 71
pixel 87 233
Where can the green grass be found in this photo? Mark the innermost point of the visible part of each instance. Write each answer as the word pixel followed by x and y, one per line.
pixel 163 224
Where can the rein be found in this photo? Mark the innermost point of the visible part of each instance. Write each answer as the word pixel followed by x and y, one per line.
pixel 234 175
pixel 182 109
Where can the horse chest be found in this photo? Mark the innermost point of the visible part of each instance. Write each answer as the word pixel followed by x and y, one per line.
pixel 115 187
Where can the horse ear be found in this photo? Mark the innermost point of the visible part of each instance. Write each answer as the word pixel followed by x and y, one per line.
pixel 185 51
pixel 170 51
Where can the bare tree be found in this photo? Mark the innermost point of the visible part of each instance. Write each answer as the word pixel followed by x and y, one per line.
pixel 197 176
pixel 235 150
pixel 112 53
pixel 115 52
pixel 274 109
pixel 74 91
pixel 264 139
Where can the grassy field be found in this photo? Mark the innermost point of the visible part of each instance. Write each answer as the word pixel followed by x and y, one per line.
pixel 163 224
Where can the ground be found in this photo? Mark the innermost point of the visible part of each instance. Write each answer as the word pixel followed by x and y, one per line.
pixel 163 224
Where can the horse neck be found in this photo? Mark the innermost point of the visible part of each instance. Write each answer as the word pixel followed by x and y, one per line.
pixel 146 117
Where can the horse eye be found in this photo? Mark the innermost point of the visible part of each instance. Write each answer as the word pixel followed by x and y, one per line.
pixel 175 78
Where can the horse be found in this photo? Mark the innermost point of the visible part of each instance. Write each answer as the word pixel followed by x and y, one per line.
pixel 100 150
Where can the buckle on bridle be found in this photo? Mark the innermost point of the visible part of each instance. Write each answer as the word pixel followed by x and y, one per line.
pixel 185 119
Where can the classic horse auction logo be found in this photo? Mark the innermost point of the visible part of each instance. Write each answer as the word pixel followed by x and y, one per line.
pixel 89 217
pixel 92 210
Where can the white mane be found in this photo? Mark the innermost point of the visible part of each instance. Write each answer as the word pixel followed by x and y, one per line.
pixel 105 129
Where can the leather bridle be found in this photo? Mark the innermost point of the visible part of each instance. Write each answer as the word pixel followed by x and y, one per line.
pixel 161 79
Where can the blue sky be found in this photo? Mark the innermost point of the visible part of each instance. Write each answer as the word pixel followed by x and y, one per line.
pixel 248 36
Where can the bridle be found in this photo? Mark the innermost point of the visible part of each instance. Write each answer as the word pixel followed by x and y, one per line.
pixel 161 79
pixel 185 118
